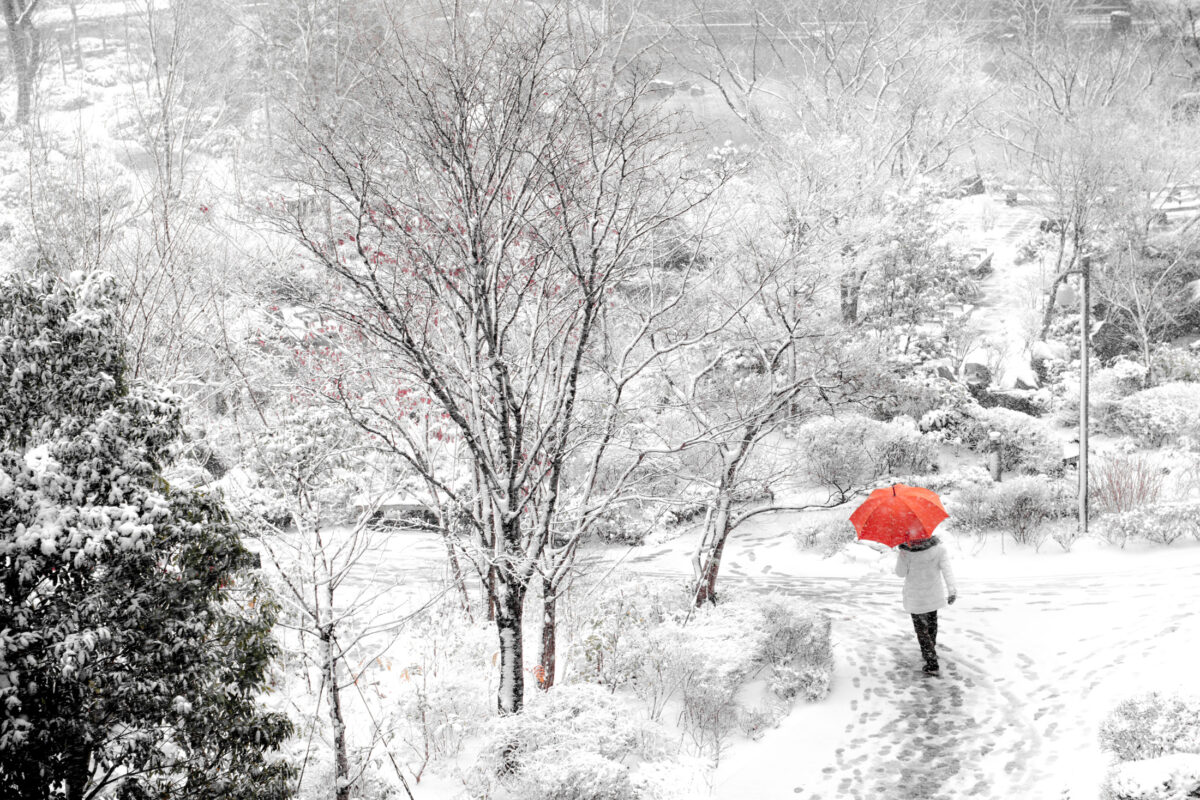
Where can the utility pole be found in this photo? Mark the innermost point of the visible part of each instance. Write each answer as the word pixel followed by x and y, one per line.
pixel 1085 321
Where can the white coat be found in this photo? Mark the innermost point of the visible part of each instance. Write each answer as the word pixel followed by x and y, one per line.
pixel 924 572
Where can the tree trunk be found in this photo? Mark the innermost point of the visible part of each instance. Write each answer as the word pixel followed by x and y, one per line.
pixel 456 574
pixel 1048 312
pixel 546 660
pixel 79 762
pixel 75 34
pixel 851 289
pixel 333 695
pixel 1085 323
pixel 510 697
pixel 489 589
pixel 706 590
pixel 23 47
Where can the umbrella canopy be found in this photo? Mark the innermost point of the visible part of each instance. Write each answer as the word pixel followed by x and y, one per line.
pixel 897 514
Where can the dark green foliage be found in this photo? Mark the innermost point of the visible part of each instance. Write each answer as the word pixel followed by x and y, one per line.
pixel 134 640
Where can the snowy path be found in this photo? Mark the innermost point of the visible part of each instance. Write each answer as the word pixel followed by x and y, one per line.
pixel 1009 309
pixel 1029 667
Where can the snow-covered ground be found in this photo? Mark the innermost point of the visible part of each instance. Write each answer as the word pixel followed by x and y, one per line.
pixel 1036 652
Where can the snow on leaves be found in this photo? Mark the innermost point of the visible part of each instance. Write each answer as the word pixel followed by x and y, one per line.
pixel 118 595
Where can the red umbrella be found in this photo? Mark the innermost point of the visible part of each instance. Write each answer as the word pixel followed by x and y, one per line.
pixel 897 514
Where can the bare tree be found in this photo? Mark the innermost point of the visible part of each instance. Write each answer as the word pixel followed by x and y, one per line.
pixel 317 539
pixel 779 354
pixel 486 210
pixel 1069 98
pixel 885 78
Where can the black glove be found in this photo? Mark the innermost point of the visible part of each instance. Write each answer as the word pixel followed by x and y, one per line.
pixel 951 599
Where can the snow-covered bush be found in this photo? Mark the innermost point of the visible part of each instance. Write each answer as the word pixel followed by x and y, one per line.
pixel 437 697
pixel 1064 532
pixel 848 451
pixel 1119 483
pixel 1154 417
pixel 922 396
pixel 1174 364
pixel 945 482
pixel 136 631
pixel 1020 506
pixel 1024 444
pixel 724 646
pixel 796 643
pixel 1160 524
pixel 611 637
pixel 898 448
pixel 836 451
pixel 826 539
pixel 1170 777
pixel 1185 473
pixel 1152 725
pixel 573 742
pixel 617 527
pixel 648 643
pixel 1121 379
pixel 437 712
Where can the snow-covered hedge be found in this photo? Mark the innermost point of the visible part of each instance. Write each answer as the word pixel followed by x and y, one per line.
pixel 1152 725
pixel 1171 777
pixel 1021 505
pixel 1024 444
pixel 1160 524
pixel 1156 416
pixel 1176 364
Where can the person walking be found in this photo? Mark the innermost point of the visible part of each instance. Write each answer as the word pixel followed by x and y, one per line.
pixel 928 586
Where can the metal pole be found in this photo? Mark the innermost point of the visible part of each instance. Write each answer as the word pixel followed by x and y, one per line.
pixel 1085 308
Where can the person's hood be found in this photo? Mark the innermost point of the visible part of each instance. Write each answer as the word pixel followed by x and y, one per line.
pixel 920 544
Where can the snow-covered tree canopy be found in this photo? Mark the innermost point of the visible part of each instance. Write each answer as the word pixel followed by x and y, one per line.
pixel 133 639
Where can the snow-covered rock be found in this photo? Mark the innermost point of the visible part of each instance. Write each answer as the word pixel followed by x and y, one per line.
pixel 1164 778
pixel 975 373
pixel 1049 351
pixel 1019 376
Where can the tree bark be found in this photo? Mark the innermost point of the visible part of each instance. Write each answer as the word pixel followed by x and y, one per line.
pixel 1048 312
pixel 510 698
pixel 333 696
pixel 79 763
pixel 851 290
pixel 490 590
pixel 24 49
pixel 706 591
pixel 547 658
